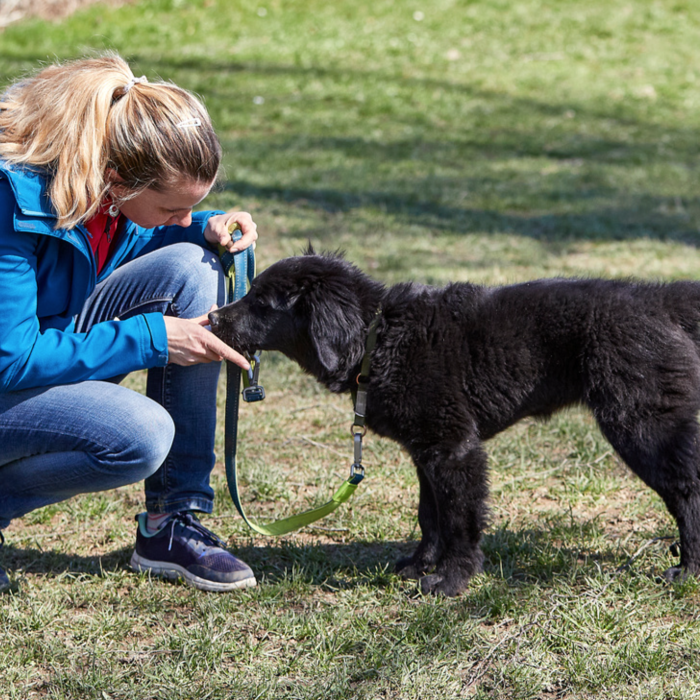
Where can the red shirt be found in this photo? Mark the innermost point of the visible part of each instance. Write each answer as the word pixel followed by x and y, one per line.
pixel 103 228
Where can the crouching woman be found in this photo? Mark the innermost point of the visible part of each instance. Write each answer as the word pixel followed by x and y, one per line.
pixel 104 270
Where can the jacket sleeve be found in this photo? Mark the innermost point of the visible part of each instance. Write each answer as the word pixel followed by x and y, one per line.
pixel 34 357
pixel 149 240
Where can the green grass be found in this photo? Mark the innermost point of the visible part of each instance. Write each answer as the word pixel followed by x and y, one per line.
pixel 478 140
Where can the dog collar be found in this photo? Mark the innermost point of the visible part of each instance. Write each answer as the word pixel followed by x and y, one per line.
pixel 359 429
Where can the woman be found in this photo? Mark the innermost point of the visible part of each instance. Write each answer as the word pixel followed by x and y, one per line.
pixel 104 270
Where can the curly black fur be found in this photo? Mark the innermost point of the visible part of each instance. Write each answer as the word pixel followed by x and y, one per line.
pixel 453 366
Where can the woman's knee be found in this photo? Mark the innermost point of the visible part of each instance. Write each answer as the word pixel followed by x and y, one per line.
pixel 140 439
pixel 96 436
pixel 152 441
pixel 201 280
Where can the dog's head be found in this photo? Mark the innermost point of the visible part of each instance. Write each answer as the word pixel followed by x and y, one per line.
pixel 313 308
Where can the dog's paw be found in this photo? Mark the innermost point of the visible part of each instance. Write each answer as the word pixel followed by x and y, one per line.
pixel 407 568
pixel 678 574
pixel 431 584
pixel 435 584
pixel 451 577
pixel 675 573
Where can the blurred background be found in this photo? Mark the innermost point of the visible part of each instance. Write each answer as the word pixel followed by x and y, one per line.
pixel 490 141
pixel 449 139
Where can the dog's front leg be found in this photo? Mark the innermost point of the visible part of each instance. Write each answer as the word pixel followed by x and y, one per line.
pixel 429 550
pixel 457 475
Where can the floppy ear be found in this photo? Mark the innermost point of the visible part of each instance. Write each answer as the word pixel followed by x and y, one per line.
pixel 335 328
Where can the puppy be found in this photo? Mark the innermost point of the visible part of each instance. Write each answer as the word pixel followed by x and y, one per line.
pixel 453 366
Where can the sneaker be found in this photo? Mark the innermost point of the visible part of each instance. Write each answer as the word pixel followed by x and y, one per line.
pixel 184 548
pixel 4 579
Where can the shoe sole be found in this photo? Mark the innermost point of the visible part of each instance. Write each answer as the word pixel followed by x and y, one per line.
pixel 175 571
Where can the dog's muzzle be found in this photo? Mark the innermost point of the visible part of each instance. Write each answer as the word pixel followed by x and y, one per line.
pixel 214 320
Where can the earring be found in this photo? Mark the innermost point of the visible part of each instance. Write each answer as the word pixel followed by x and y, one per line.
pixel 113 210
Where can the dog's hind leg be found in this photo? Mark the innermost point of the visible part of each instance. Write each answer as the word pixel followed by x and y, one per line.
pixel 428 551
pixel 668 460
pixel 458 478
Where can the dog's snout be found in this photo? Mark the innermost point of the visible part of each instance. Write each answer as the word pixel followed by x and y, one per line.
pixel 214 319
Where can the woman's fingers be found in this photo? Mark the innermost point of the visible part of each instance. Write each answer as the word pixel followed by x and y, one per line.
pixel 190 343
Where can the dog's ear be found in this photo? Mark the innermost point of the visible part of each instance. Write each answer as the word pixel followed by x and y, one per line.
pixel 336 330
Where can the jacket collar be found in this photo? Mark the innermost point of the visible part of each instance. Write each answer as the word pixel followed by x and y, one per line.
pixel 29 188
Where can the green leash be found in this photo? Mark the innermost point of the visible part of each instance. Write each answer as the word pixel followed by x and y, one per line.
pixel 240 268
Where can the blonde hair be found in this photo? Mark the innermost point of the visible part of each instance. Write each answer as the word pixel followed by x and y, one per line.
pixel 79 119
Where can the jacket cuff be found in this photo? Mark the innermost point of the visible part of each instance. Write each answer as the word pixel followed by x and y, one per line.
pixel 159 340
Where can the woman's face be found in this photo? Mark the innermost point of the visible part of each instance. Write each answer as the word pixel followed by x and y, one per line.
pixel 172 206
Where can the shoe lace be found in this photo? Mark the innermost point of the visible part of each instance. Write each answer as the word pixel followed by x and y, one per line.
pixel 189 520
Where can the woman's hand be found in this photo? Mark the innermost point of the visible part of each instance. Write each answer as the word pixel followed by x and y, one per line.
pixel 190 343
pixel 217 232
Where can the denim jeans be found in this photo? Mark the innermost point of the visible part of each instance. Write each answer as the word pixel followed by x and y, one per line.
pixel 59 441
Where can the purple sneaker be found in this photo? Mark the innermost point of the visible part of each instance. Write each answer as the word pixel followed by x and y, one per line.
pixel 184 548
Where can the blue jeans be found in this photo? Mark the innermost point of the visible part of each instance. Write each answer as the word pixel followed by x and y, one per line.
pixel 59 441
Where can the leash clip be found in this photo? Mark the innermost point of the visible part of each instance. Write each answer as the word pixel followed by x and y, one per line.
pixel 357 471
pixel 254 391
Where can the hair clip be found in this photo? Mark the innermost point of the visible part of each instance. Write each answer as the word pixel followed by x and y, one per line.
pixel 196 121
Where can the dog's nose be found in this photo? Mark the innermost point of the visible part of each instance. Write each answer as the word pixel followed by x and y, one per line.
pixel 213 319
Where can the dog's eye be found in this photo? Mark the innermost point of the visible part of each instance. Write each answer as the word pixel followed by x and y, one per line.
pixel 257 296
pixel 277 302
pixel 265 301
pixel 270 299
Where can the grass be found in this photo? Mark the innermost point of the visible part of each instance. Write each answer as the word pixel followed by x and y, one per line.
pixel 452 140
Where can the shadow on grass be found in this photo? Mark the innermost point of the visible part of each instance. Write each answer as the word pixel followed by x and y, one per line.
pixel 530 555
pixel 535 555
pixel 604 148
pixel 514 556
pixel 37 561
pixel 638 219
pixel 346 564
pixel 510 128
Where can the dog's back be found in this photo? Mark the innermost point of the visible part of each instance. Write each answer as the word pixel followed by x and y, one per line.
pixel 535 347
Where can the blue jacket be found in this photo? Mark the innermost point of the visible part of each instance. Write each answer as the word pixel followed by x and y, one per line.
pixel 46 274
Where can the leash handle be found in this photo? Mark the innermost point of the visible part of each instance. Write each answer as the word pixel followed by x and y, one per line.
pixel 239 267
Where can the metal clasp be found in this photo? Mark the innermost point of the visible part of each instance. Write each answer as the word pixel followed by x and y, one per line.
pixel 253 392
pixel 357 471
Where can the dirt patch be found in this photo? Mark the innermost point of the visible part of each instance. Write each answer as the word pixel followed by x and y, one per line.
pixel 16 10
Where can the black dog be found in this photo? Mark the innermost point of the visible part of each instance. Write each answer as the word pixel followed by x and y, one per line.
pixel 453 366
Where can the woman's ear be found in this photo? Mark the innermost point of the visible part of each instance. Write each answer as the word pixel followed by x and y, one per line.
pixel 116 188
pixel 111 175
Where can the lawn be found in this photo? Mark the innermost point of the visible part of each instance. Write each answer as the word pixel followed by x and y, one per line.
pixel 479 140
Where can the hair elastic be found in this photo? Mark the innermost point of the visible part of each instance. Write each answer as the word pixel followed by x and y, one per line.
pixel 133 82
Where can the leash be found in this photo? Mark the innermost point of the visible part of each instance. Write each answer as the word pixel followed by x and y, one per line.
pixel 240 269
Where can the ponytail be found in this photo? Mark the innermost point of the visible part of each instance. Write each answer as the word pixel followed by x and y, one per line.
pixel 77 120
